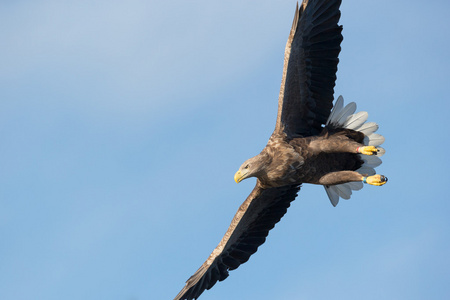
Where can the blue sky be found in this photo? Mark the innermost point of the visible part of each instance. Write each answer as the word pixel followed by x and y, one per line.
pixel 122 124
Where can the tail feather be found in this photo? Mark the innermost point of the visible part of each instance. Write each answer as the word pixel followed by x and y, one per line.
pixel 342 116
pixel 344 191
pixel 381 151
pixel 336 108
pixel 364 170
pixel 356 120
pixel 332 194
pixel 368 128
pixel 355 185
pixel 374 139
pixel 371 160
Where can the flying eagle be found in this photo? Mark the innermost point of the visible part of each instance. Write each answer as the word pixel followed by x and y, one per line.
pixel 313 142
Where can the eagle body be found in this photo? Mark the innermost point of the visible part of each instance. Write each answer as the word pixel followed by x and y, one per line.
pixel 313 142
pixel 302 160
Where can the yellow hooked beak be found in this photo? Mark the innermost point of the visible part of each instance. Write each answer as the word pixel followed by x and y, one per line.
pixel 238 177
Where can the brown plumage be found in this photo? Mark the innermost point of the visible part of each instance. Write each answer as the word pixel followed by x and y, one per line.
pixel 310 144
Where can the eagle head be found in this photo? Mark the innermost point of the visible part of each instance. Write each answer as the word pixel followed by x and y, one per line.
pixel 252 167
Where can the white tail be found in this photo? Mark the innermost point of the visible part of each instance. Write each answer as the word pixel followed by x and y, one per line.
pixel 345 117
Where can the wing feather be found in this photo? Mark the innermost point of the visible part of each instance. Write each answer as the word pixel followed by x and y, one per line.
pixel 249 228
pixel 309 72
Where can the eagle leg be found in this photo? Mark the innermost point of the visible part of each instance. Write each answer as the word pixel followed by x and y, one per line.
pixel 337 145
pixel 340 177
pixel 377 180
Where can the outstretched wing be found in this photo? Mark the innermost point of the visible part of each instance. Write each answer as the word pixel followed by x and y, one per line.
pixel 249 228
pixel 310 65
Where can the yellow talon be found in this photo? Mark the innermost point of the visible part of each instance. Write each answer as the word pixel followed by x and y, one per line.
pixel 377 180
pixel 367 150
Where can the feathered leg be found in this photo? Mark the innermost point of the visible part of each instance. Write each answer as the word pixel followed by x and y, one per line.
pixel 336 145
pixel 340 177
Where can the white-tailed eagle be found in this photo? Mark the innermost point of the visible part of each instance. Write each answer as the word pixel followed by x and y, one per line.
pixel 313 142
